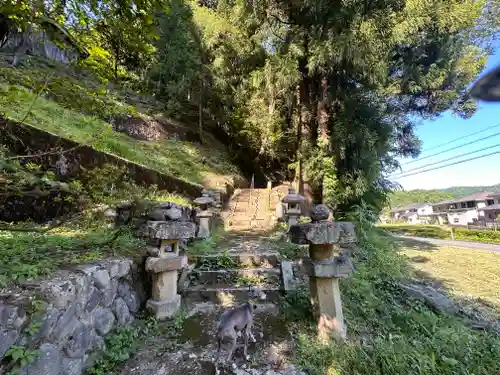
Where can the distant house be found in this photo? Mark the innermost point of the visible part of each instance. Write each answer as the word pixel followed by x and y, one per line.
pixel 492 209
pixel 416 213
pixel 462 211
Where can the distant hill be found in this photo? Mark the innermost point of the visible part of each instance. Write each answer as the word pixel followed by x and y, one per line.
pixel 466 190
pixel 403 198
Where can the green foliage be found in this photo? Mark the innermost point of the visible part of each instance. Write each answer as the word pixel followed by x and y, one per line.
pixel 170 156
pixel 394 334
pixel 461 191
pixel 19 357
pixel 403 198
pixel 486 236
pixel 119 346
pixel 296 305
pixel 221 261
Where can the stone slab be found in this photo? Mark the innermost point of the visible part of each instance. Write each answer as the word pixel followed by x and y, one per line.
pixel 338 267
pixel 287 278
pixel 223 295
pixel 169 230
pixel 325 232
pixel 165 309
pixel 174 263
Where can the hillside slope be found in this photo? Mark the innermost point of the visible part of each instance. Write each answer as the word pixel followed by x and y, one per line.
pixel 73 104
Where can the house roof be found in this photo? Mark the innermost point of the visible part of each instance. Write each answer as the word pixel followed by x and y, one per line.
pixel 409 207
pixel 480 196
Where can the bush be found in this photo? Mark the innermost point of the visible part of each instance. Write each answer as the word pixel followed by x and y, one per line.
pixel 390 334
pixel 428 231
pixel 477 235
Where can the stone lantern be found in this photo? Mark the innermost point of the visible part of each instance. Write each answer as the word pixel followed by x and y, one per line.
pixel 325 267
pixel 165 263
pixel 292 206
pixel 203 214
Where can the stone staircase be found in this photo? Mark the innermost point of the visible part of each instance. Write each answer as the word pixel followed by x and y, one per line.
pixel 221 280
pixel 246 257
pixel 252 210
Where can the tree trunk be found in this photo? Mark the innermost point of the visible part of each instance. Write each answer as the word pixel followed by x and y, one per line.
pixel 200 112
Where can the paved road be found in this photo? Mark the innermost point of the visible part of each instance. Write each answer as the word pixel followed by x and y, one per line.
pixel 466 244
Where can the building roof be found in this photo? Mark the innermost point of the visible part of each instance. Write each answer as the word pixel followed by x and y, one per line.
pixel 409 207
pixel 480 196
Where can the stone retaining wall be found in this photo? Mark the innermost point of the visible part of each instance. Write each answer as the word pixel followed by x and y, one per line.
pixel 67 316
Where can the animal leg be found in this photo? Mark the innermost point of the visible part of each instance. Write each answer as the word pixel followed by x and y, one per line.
pixel 218 348
pixel 249 333
pixel 246 344
pixel 233 345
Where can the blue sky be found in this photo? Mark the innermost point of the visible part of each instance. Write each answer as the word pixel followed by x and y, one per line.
pixel 484 171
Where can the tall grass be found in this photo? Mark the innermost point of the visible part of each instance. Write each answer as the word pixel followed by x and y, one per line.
pixel 390 334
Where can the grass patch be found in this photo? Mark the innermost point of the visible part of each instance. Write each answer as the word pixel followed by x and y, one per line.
pixel 73 107
pixel 466 273
pixel 390 334
pixel 124 342
pixel 30 255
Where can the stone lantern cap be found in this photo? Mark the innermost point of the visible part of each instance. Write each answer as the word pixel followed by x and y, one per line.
pixel 324 232
pixel 169 230
pixel 293 198
pixel 203 201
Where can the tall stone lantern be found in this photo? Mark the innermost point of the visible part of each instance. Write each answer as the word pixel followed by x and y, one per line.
pixel 292 207
pixel 203 214
pixel 325 266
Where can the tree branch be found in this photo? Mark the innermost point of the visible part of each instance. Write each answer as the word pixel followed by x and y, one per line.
pixel 45 153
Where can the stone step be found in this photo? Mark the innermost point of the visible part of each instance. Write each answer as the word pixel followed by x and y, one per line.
pixel 226 295
pixel 236 276
pixel 268 259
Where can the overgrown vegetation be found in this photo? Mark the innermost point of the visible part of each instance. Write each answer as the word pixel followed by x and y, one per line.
pixel 390 333
pixel 32 250
pixel 331 93
pixel 122 343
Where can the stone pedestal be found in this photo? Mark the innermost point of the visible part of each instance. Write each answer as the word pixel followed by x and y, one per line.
pixel 324 268
pixel 204 223
pixel 165 264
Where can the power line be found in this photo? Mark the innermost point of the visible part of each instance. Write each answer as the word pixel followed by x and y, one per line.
pixel 453 148
pixel 442 161
pixel 451 164
pixel 465 136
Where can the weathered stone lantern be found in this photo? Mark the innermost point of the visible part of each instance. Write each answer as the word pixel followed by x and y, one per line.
pixel 325 267
pixel 165 264
pixel 203 214
pixel 292 207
